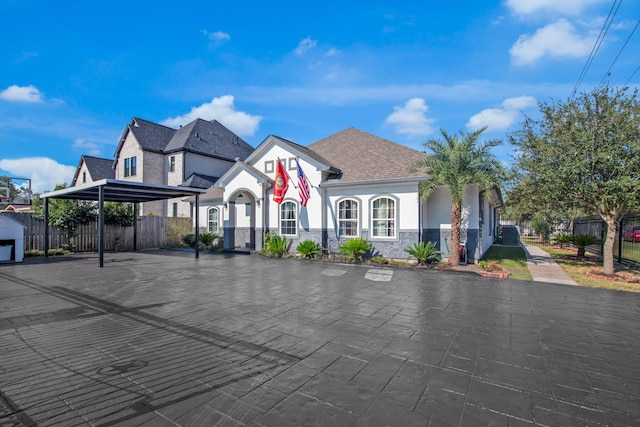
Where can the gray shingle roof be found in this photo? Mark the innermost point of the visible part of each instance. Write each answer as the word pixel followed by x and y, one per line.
pixel 151 136
pixel 361 156
pixel 98 168
pixel 198 180
pixel 209 138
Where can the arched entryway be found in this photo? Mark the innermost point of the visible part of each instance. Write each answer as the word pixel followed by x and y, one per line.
pixel 240 228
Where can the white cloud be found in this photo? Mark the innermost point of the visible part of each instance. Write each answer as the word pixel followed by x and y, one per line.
pixel 305 45
pixel 501 118
pixel 558 39
pixel 333 52
pixel 569 7
pixel 217 37
pixel 45 173
pixel 87 147
pixel 411 119
pixel 222 110
pixel 15 93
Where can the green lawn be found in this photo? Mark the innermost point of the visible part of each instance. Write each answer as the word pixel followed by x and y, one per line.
pixel 512 258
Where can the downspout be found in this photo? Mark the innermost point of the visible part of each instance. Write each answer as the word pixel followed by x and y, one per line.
pixel 324 227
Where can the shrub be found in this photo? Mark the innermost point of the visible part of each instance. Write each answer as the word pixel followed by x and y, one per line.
pixel 275 245
pixel 207 238
pixel 177 228
pixel 308 248
pixel 425 253
pixel 562 239
pixel 484 264
pixel 355 248
pixel 189 240
pixel 582 241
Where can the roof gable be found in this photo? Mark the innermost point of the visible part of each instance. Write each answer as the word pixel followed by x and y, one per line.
pixel 361 157
pixel 97 167
pixel 311 156
pixel 209 138
pixel 236 169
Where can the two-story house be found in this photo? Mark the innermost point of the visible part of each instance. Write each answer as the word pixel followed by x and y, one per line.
pixel 92 169
pixel 194 155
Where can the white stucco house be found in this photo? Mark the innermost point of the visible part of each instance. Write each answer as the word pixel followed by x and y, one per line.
pixel 361 186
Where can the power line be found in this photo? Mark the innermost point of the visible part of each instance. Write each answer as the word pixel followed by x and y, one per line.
pixel 632 74
pixel 598 43
pixel 618 55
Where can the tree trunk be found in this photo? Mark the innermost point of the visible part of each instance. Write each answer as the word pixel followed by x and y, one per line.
pixel 456 221
pixel 607 247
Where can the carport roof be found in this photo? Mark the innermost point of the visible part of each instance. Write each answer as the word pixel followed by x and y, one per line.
pixel 123 191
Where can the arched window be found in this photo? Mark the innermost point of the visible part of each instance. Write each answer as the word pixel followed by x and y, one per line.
pixel 288 219
pixel 212 220
pixel 348 223
pixel 384 217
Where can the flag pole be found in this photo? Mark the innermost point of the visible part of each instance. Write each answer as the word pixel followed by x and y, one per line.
pixel 287 172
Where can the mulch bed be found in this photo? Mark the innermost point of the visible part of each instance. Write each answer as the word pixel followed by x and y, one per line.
pixel 616 277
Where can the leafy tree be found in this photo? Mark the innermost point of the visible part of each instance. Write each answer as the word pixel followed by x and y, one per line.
pixel 584 154
pixel 118 214
pixel 457 162
pixel 68 214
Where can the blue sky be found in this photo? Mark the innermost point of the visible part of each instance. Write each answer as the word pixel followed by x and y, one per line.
pixel 74 73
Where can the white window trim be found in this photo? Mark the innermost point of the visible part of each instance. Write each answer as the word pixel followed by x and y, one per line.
pixel 395 219
pixel 297 211
pixel 217 221
pixel 358 220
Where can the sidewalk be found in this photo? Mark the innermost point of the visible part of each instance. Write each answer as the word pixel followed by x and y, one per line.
pixel 543 268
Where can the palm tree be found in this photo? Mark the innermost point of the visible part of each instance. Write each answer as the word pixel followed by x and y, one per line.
pixel 456 162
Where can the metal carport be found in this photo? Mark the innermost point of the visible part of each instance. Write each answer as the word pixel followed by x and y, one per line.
pixel 111 190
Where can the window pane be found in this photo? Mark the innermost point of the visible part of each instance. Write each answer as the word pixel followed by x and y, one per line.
pixel 127 162
pixel 213 220
pixel 348 218
pixel 384 214
pixel 133 166
pixel 288 218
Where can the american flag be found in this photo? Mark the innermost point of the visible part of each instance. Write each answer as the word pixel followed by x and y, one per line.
pixel 303 186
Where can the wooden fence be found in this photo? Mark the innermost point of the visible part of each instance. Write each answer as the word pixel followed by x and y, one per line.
pixel 151 233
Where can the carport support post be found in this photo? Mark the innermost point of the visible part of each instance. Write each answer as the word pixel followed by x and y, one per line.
pixel 135 226
pixel 101 225
pixel 197 225
pixel 46 227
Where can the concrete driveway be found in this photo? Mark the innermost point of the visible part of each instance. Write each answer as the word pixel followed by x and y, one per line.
pixel 159 338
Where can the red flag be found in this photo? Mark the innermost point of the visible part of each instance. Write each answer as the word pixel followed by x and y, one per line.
pixel 281 183
pixel 303 186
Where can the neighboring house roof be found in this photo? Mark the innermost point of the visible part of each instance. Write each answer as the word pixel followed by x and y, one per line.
pixel 151 136
pixel 209 138
pixel 98 168
pixel 363 157
pixel 198 180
